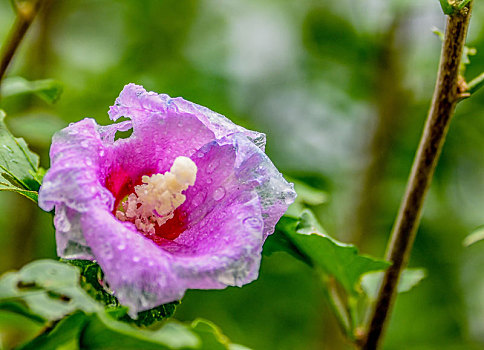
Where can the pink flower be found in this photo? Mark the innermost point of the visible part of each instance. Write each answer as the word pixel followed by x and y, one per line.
pixel 186 201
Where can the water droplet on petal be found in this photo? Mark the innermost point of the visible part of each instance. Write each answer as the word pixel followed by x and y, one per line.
pixel 212 166
pixel 253 222
pixel 219 193
pixel 198 198
pixel 88 161
pixel 121 246
pixel 288 196
pixel 101 153
pixel 209 180
pixel 84 144
pixel 73 132
pixel 136 258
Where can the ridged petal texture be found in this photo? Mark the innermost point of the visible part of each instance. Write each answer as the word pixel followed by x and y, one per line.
pixel 237 198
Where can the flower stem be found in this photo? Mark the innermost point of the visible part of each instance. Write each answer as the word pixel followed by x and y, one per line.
pixel 446 96
pixel 26 12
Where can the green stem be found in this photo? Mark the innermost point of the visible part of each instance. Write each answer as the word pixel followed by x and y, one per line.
pixel 475 84
pixel 445 98
pixel 463 4
pixel 337 305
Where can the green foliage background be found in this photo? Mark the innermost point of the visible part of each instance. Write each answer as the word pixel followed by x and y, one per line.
pixel 340 87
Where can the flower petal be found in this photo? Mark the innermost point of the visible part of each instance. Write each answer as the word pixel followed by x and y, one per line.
pixel 134 102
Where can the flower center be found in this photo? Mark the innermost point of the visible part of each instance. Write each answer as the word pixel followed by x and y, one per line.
pixel 154 201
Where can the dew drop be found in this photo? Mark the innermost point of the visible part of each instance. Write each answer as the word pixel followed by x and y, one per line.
pixel 122 246
pixel 88 161
pixel 199 198
pixel 73 132
pixel 219 193
pixel 209 180
pixel 252 222
pixel 288 196
pixel 136 258
pixel 212 166
pixel 101 153
pixel 84 144
pixel 8 148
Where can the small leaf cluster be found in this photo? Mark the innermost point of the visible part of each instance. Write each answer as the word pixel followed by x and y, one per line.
pixel 75 312
pixel 449 7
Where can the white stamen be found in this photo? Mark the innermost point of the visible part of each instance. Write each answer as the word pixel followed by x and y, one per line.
pixel 160 194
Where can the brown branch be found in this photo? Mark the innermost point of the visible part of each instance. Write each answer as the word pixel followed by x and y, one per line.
pixel 403 234
pixel 26 12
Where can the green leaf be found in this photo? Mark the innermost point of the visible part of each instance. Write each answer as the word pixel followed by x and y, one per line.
pixel 148 317
pixel 65 335
pixel 38 175
pixel 409 279
pixel 447 8
pixel 91 279
pixel 305 238
pixel 17 328
pixel 280 241
pixel 211 336
pixel 49 90
pixel 104 332
pixel 19 167
pixel 237 347
pixel 49 288
pixel 474 237
pixel 19 308
pixel 307 195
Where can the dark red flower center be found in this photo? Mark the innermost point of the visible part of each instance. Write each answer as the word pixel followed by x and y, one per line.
pixel 121 184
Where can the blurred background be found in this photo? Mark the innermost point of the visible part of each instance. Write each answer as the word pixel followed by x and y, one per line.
pixel 341 88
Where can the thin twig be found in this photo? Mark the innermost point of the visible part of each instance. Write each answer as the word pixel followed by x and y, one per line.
pixel 26 12
pixel 439 117
pixel 475 84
